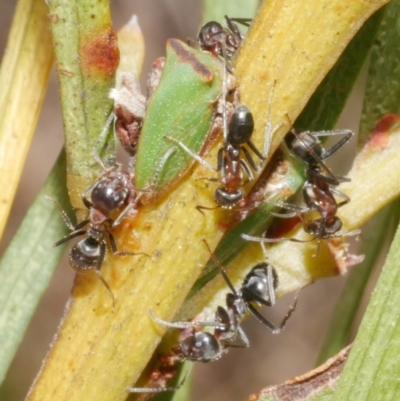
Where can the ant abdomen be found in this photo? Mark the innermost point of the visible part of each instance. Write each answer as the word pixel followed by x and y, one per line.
pixel 227 199
pixel 241 125
pixel 301 144
pixel 85 255
pixel 201 347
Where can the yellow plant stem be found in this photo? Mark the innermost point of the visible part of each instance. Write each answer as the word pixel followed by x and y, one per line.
pixel 99 352
pixel 24 75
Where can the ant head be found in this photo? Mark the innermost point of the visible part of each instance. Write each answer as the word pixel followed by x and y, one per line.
pixel 201 346
pixel 241 125
pixel 211 36
pixel 321 229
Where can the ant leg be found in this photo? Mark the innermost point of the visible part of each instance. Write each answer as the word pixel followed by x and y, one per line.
pixel 255 150
pixel 164 159
pixel 243 21
pixel 273 240
pixel 98 273
pixel 221 268
pixel 249 157
pixel 189 152
pixel 348 135
pixel 269 132
pixel 263 320
pixel 246 168
pixel 289 313
pixel 201 208
pixel 118 220
pixel 345 198
pixel 115 250
pixel 160 389
pixel 331 178
pixel 101 138
pixel 245 343
pixel 183 325
pixel 74 234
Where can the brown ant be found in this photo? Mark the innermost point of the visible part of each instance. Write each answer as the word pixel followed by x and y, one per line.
pixel 258 288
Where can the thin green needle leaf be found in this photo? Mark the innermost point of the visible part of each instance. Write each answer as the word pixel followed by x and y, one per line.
pixel 383 86
pixel 375 234
pixel 28 264
pixel 24 73
pixel 215 11
pixel 382 97
pixel 372 370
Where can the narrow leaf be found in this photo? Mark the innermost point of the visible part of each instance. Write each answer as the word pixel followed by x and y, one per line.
pixel 28 59
pixel 28 264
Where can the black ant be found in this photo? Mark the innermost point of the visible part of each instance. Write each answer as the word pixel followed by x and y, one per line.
pixel 230 162
pixel 317 192
pixel 258 288
pixel 220 41
pixel 112 193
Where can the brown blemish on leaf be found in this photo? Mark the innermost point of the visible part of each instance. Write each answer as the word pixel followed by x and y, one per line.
pixel 380 136
pixel 312 383
pixel 99 53
pixel 187 57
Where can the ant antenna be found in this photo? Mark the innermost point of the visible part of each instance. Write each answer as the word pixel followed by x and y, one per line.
pixel 100 140
pixel 223 271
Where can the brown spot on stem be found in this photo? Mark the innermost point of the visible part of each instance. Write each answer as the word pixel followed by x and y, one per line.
pixel 188 57
pixel 99 53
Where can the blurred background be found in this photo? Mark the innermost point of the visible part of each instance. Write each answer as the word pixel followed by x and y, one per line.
pixel 271 359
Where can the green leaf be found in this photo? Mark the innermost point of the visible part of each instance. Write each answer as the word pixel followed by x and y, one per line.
pixel 383 85
pixel 29 262
pixel 86 60
pixel 215 11
pixel 375 235
pixel 327 102
pixel 24 73
pixel 382 96
pixel 372 370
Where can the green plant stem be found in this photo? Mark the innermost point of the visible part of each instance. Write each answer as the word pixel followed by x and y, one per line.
pixel 86 60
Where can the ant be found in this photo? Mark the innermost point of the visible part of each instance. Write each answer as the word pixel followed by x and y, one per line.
pixel 220 41
pixel 112 193
pixel 258 288
pixel 229 161
pixel 317 192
